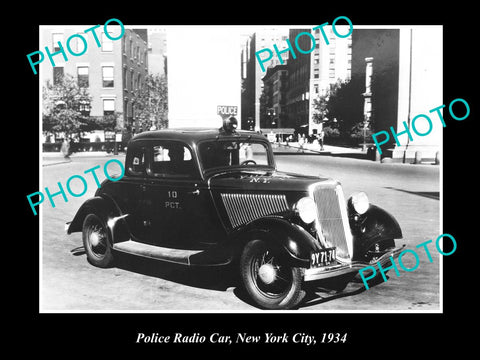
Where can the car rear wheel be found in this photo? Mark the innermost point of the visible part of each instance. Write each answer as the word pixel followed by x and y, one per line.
pixel 269 280
pixel 96 241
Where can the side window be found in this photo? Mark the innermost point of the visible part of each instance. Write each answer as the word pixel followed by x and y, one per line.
pixel 171 159
pixel 136 161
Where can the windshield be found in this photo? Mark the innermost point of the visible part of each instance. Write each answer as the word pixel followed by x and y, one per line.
pixel 223 153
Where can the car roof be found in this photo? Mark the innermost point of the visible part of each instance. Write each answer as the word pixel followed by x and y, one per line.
pixel 194 135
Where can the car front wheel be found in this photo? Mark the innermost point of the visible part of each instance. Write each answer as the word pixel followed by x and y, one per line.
pixel 96 241
pixel 269 280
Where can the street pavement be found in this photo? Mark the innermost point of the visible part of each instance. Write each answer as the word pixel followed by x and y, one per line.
pixel 69 283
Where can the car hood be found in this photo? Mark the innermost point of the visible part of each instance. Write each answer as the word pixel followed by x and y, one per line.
pixel 262 180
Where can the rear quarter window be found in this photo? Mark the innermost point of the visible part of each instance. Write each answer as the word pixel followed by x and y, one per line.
pixel 136 161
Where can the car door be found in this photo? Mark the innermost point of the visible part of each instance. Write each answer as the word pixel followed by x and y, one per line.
pixel 180 210
pixel 134 186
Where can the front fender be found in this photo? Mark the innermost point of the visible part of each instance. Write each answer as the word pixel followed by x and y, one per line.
pixel 375 226
pixel 295 243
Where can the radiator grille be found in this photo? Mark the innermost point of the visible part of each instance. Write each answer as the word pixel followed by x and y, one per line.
pixel 244 208
pixel 332 217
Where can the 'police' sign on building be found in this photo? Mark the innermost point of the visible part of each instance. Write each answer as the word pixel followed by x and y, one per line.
pixel 227 110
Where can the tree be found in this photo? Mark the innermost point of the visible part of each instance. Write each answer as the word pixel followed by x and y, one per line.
pixel 66 107
pixel 343 102
pixel 321 116
pixel 106 122
pixel 346 104
pixel 151 103
pixel 321 110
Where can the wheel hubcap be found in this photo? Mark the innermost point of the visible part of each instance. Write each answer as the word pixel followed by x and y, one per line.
pixel 97 240
pixel 267 273
pixel 94 239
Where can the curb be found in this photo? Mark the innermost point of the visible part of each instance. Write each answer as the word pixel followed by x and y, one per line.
pixel 313 151
pixel 304 152
pixel 47 163
pixel 295 150
pixel 54 158
pixel 46 155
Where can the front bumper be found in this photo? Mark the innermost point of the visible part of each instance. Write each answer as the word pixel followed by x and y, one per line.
pixel 327 272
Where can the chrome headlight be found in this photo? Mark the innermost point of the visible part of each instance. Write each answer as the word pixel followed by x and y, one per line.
pixel 306 209
pixel 360 202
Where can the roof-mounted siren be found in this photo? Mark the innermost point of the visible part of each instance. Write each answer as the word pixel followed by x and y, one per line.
pixel 229 125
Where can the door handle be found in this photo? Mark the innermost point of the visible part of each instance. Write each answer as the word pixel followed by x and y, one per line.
pixel 196 192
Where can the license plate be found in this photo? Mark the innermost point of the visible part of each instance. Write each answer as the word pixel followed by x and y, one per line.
pixel 323 257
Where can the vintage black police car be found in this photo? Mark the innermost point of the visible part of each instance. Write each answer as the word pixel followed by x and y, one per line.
pixel 214 197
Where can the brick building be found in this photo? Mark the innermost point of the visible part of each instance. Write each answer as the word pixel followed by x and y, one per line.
pixel 298 93
pixel 275 85
pixel 112 73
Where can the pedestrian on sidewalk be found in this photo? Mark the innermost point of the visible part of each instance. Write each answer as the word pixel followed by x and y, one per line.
pixel 321 136
pixel 301 141
pixel 71 145
pixel 65 149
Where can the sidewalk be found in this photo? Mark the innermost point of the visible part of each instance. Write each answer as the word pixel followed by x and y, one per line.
pixel 293 148
pixel 54 158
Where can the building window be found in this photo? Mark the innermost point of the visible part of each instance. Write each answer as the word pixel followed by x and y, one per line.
pixel 82 76
pixel 85 108
pixel 125 72
pixel 108 106
pixel 57 74
pixel 55 39
pixel 107 76
pixel 107 44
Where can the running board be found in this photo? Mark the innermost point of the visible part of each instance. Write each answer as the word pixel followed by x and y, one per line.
pixel 177 256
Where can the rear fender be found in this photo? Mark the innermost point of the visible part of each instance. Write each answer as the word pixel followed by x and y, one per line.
pixel 294 242
pixel 105 208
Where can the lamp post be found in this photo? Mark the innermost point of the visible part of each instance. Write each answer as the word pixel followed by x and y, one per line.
pixel 367 96
pixel 250 123
pixel 271 115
